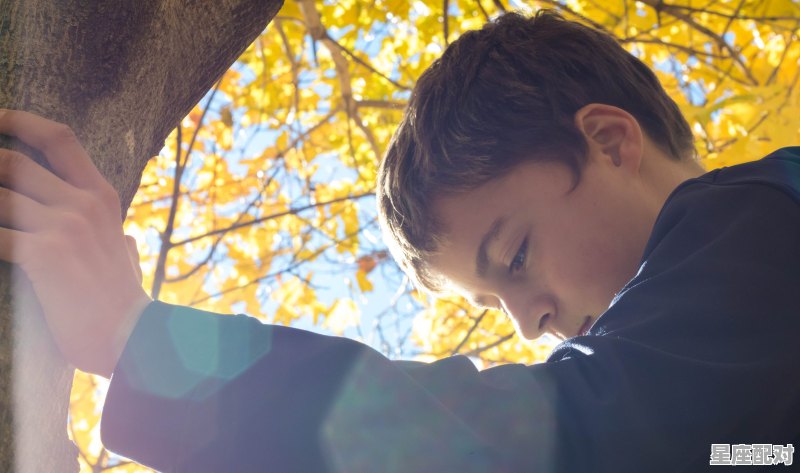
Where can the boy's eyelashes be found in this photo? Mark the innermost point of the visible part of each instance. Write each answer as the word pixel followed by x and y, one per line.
pixel 516 264
pixel 518 261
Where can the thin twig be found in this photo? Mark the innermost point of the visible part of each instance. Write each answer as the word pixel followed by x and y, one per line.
pixel 291 211
pixel 497 342
pixel 469 332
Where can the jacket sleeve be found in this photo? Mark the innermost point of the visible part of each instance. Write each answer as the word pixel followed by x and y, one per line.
pixel 699 348
pixel 201 392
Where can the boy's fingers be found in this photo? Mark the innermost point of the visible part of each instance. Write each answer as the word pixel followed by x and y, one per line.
pixel 23 213
pixel 15 246
pixel 23 175
pixel 58 143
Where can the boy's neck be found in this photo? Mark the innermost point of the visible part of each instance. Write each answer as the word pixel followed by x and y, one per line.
pixel 663 175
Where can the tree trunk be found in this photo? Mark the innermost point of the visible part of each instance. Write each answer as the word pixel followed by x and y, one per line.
pixel 121 73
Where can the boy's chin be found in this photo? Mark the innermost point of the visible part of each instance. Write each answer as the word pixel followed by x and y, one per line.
pixel 530 333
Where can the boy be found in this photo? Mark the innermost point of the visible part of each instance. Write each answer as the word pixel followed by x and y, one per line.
pixel 540 169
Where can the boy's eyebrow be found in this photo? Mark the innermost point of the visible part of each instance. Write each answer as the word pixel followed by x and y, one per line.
pixel 482 258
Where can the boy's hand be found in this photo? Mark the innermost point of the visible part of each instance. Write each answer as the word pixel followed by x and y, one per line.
pixel 65 232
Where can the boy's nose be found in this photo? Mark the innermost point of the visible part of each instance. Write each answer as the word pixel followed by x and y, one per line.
pixel 533 315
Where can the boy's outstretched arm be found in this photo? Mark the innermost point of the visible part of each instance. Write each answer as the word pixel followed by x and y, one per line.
pixel 199 391
pixel 202 392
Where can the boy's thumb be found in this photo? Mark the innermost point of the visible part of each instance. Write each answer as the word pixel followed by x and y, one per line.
pixel 133 254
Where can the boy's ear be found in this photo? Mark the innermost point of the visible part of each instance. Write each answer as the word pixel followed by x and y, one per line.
pixel 612 132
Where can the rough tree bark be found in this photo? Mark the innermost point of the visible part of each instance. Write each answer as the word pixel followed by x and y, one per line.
pixel 121 73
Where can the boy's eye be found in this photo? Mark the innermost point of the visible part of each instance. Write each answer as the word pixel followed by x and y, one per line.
pixel 519 259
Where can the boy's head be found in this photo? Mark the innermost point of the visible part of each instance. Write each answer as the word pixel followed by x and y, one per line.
pixel 529 168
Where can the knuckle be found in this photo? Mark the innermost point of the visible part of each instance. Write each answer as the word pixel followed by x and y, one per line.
pixel 109 195
pixel 42 251
pixel 106 200
pixel 11 164
pixel 89 204
pixel 98 205
pixel 61 134
pixel 73 237
pixel 11 161
pixel 5 194
pixel 72 224
pixel 32 256
pixel 54 249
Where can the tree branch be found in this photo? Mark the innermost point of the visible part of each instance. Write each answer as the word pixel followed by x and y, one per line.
pixel 180 166
pixel 318 32
pixel 479 350
pixel 291 211
pixel 483 10
pixel 292 266
pixel 381 104
pixel 469 333
pixel 216 243
pixel 660 5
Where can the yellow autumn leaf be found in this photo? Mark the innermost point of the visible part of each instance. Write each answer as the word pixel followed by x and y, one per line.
pixel 344 313
pixel 363 281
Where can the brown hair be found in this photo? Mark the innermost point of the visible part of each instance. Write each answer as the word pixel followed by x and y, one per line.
pixel 500 95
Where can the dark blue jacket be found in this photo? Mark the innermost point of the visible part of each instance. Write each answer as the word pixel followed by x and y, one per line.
pixel 701 347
